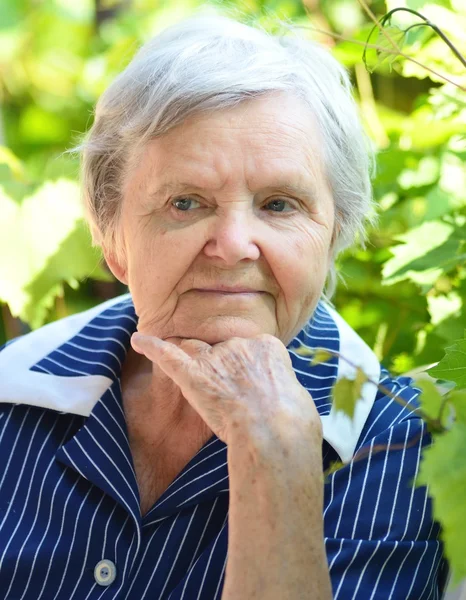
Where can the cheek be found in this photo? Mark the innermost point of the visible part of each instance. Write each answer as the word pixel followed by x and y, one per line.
pixel 302 261
pixel 158 259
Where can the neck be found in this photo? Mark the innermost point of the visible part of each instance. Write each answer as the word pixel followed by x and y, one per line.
pixel 157 414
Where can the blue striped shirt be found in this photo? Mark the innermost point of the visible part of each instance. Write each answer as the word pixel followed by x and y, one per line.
pixel 69 497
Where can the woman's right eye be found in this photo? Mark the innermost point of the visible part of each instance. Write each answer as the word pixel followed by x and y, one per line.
pixel 185 204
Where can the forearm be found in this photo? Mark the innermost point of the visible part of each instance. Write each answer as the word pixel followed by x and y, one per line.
pixel 275 548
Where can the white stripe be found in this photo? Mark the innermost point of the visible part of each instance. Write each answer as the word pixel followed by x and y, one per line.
pixel 120 316
pixel 160 557
pixel 86 362
pixel 128 462
pixel 210 557
pixel 141 561
pixel 364 570
pixel 382 480
pixel 45 533
pixel 96 510
pixel 52 462
pixel 25 462
pixel 12 451
pixel 59 537
pixel 190 568
pixel 104 476
pixel 5 424
pixel 178 553
pixel 93 350
pixel 401 567
pixel 101 339
pixel 397 489
pixel 346 570
pixel 217 591
pixel 202 491
pixel 72 542
pixel 413 489
pixel 344 499
pixel 361 494
pixel 432 566
pixel 63 366
pixel 192 481
pixel 395 546
pixel 336 555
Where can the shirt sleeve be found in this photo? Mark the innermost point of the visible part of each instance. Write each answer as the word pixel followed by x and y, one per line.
pixel 381 540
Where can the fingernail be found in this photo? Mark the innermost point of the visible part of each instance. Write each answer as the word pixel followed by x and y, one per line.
pixel 139 340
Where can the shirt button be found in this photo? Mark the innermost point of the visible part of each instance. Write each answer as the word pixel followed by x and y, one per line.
pixel 105 572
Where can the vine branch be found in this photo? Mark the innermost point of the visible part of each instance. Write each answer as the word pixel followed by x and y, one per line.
pixel 343 38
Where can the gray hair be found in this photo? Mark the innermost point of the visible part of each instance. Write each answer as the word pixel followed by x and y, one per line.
pixel 212 62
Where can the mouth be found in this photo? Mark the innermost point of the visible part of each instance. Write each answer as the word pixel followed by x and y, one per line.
pixel 228 290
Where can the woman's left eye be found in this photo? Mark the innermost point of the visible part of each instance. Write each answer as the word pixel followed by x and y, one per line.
pixel 279 205
pixel 185 204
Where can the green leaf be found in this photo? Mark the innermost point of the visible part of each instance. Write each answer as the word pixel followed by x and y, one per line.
pixel 320 356
pixel 432 401
pixel 388 42
pixel 8 158
pixel 443 470
pixel 452 367
pixel 51 246
pixel 346 393
pixel 426 249
pixel 457 399
pixel 444 306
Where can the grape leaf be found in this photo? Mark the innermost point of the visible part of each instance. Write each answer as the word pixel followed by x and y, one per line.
pixel 431 401
pixel 320 356
pixel 457 399
pixel 452 367
pixel 443 470
pixel 346 393
pixel 388 42
pixel 431 247
pixel 52 246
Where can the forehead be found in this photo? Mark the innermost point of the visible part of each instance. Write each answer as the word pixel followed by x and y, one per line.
pixel 259 140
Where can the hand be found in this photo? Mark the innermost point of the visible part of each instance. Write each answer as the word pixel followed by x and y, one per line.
pixel 238 387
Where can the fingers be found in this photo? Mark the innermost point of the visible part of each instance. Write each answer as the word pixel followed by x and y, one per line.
pixel 192 347
pixel 169 357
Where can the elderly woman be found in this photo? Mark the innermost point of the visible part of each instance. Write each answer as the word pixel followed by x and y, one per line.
pixel 170 444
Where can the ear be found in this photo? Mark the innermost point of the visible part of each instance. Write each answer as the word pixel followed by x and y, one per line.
pixel 117 265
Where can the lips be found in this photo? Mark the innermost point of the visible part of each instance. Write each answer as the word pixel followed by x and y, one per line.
pixel 229 290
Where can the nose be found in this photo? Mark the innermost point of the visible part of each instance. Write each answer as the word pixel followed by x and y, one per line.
pixel 232 238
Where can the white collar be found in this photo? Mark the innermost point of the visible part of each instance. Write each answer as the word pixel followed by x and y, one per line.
pixel 79 394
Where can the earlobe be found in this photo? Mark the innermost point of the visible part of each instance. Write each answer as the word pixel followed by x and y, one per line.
pixel 116 265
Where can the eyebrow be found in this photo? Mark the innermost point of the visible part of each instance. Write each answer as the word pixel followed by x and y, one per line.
pixel 283 186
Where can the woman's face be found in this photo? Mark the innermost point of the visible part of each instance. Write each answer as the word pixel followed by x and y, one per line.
pixel 227 224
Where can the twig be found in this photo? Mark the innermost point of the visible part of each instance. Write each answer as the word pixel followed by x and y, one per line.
pixel 385 50
pixel 427 23
pixel 368 104
pixel 380 387
pixel 379 25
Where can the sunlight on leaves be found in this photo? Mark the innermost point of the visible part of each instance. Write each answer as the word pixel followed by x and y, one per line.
pixel 52 246
pixel 443 469
pixel 347 392
pixel 452 367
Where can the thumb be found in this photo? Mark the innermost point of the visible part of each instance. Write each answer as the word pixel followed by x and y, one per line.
pixel 170 358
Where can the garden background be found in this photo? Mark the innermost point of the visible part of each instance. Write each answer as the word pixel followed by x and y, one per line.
pixel 405 293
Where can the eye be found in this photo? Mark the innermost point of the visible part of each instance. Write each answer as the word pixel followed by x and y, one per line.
pixel 185 204
pixel 279 205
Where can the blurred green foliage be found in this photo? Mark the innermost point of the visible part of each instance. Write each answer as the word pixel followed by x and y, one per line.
pixel 405 293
